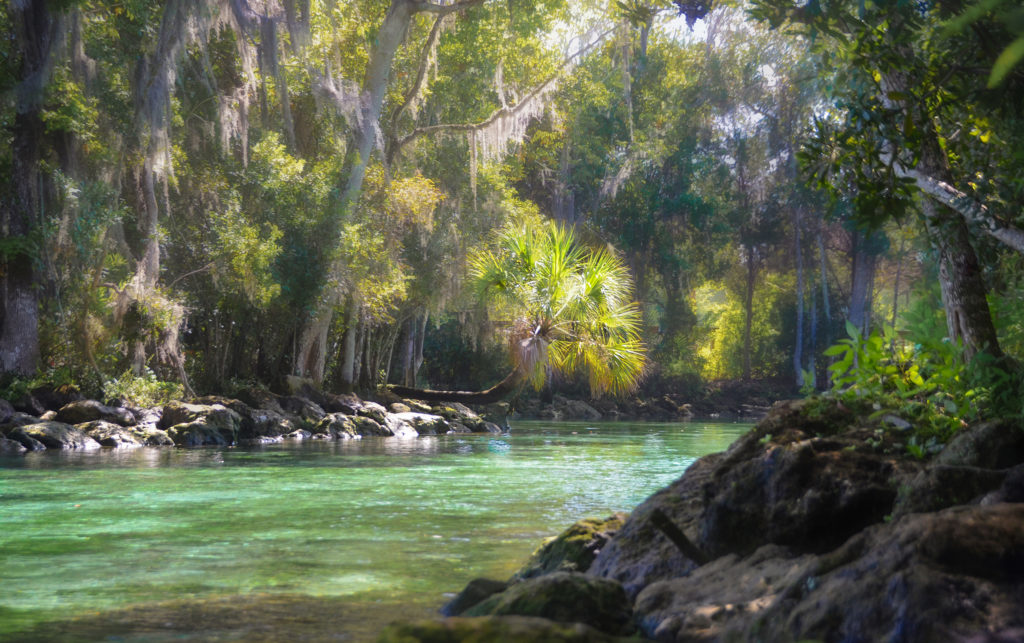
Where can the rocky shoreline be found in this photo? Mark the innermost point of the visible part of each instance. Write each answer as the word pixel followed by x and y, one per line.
pixel 50 419
pixel 816 525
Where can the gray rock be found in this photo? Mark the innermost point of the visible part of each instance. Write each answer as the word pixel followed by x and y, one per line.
pixel 424 423
pixel 56 435
pixel 11 447
pixel 374 411
pixel 83 411
pixel 299 434
pixel 398 407
pixel 6 411
pixel 940 486
pixel 18 435
pixel 113 435
pixel 997 444
pixel 306 409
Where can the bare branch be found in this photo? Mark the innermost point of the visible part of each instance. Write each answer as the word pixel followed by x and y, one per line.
pixel 421 73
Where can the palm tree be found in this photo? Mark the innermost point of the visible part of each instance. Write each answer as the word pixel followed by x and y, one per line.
pixel 568 310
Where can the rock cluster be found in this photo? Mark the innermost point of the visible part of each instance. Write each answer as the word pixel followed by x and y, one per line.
pixel 813 526
pixel 258 417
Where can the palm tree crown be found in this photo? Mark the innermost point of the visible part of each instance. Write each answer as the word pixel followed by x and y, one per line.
pixel 569 308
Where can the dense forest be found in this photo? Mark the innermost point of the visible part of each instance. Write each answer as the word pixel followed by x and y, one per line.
pixel 200 195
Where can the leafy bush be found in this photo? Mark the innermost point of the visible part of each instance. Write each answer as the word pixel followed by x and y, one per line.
pixel 929 384
pixel 142 391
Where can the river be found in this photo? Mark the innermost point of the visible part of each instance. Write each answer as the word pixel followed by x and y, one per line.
pixel 304 541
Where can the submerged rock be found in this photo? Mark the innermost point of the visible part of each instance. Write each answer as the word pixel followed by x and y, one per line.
pixel 503 629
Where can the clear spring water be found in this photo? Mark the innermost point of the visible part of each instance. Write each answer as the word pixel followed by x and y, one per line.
pixel 304 541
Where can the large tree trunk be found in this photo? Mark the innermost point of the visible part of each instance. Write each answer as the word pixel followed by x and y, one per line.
pixel 862 276
pixel 496 393
pixel 348 353
pixel 39 32
pixel 798 343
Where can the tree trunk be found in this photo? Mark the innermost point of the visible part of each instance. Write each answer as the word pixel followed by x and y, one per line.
pixel 748 307
pixel 39 32
pixel 348 343
pixel 798 343
pixel 496 393
pixel 861 278
pixel 963 291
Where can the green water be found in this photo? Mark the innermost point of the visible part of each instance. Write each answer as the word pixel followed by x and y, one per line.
pixel 305 541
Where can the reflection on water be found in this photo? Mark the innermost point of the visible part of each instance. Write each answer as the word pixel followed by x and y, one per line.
pixel 319 537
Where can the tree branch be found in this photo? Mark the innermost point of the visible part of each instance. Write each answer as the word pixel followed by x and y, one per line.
pixel 498 113
pixel 973 212
pixel 421 73
pixel 443 9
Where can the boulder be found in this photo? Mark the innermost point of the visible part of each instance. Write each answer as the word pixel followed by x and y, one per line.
pixel 456 412
pixel 425 423
pixel 83 411
pixel 567 597
pixel 109 434
pixel 366 427
pixel 55 435
pixel 17 434
pixel 200 433
pixel 940 486
pixel 306 409
pixel 473 593
pixel 503 629
pixel 374 411
pixel 782 483
pixel 574 549
pixel 201 419
pixel 17 419
pixel 259 398
pixel 639 553
pixel 398 407
pixel 398 427
pixel 952 575
pixel 338 426
pixel 53 398
pixel 11 447
pixel 6 411
pixel 347 403
pixel 257 424
pixel 298 434
pixel 152 436
pixel 27 403
pixel 575 409
pixel 997 444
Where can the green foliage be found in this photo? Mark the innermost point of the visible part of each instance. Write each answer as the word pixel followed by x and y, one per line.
pixel 569 307
pixel 926 383
pixel 142 390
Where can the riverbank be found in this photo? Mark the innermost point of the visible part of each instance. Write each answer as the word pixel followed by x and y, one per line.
pixel 50 418
pixel 819 524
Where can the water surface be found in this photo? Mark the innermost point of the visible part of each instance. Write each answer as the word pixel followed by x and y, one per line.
pixel 305 541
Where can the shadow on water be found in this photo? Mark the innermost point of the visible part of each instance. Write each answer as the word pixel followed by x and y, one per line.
pixel 247 617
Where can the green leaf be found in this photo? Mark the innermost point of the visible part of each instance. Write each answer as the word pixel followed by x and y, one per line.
pixel 835 349
pixel 1006 62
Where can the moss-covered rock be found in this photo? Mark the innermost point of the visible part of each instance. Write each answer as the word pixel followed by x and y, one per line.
pixel 574 549
pixel 82 411
pixel 113 435
pixel 475 592
pixel 201 433
pixel 55 435
pixel 493 629
pixel 566 597
pixel 338 426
